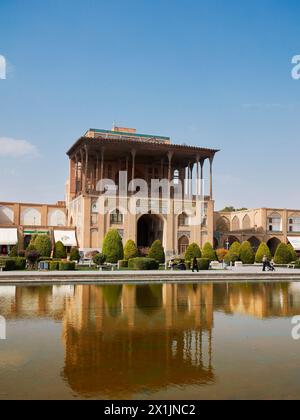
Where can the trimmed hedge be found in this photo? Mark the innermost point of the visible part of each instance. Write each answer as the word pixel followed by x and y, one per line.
pixel 231 257
pixel 60 250
pixel 247 255
pixel 20 263
pixel 143 264
pixel 67 266
pixel 13 264
pixel 43 245
pixel 282 255
pixel 99 259
pixel 123 264
pixel 203 263
pixel 113 247
pixel 294 256
pixel 130 250
pixel 9 264
pixel 54 265
pixel 193 251
pixel 75 254
pixel 208 252
pixel 157 252
pixel 262 251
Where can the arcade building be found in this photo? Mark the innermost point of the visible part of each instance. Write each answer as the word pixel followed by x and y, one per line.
pixel 103 154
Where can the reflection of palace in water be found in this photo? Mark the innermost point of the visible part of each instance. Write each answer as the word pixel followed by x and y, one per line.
pixel 142 338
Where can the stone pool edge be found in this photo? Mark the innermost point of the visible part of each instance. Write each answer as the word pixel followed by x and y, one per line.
pixel 19 278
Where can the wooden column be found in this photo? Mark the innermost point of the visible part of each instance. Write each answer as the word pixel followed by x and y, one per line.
pixel 86 170
pixel 211 176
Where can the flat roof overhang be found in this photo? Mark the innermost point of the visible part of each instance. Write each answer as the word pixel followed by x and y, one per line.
pixel 115 148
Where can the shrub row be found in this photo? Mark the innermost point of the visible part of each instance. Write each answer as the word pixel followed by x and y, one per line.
pixel 13 264
pixel 62 266
pixel 143 264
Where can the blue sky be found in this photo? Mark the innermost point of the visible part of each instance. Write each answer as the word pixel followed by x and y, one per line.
pixel 209 73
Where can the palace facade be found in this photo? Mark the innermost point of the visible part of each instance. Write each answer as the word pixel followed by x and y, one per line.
pixel 101 156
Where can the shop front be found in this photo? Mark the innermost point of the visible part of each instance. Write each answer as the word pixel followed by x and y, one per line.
pixel 8 239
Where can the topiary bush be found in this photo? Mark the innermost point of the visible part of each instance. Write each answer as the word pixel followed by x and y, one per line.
pixel 203 263
pixel 43 245
pixel 113 247
pixel 282 255
pixel 20 263
pixel 9 264
pixel 143 264
pixel 130 250
pixel 235 248
pixel 231 258
pixel 54 265
pixel 294 256
pixel 157 252
pixel 208 252
pixel 99 259
pixel 67 266
pixel 263 250
pixel 75 254
pixel 60 251
pixel 247 255
pixel 123 264
pixel 192 251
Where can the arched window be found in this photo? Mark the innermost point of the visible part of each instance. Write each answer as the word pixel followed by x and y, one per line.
pixel 236 224
pixel 56 218
pixel 294 224
pixel 274 223
pixel 183 220
pixel 223 225
pixel 116 218
pixel 183 244
pixel 31 217
pixel 246 223
pixel 6 215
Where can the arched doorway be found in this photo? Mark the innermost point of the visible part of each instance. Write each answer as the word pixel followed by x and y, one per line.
pixel 273 245
pixel 255 242
pixel 183 244
pixel 149 229
pixel 230 240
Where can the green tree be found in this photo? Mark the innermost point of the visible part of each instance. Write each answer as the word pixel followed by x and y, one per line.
pixel 282 255
pixel 130 250
pixel 233 254
pixel 235 248
pixel 209 253
pixel 113 247
pixel 262 251
pixel 43 245
pixel 60 250
pixel 157 252
pixel 247 255
pixel 294 256
pixel 75 254
pixel 193 251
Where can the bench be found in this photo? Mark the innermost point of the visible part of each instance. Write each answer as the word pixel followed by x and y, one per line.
pixel 111 267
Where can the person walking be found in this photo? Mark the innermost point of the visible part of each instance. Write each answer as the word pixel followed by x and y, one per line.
pixel 195 265
pixel 265 262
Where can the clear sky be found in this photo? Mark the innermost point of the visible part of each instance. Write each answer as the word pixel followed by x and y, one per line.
pixel 213 73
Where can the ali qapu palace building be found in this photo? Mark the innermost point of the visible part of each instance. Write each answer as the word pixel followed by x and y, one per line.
pixel 147 188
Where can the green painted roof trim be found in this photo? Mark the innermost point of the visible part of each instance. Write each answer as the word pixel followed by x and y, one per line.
pixel 115 133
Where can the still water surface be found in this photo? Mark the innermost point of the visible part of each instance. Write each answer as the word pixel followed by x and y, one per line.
pixel 150 342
